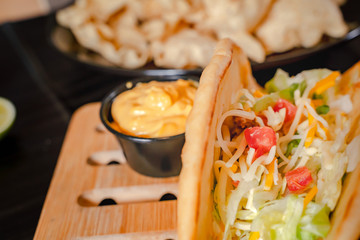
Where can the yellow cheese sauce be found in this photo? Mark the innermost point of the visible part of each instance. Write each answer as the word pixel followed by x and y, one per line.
pixel 154 109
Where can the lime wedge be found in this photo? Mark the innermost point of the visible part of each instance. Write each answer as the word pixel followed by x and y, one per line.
pixel 7 116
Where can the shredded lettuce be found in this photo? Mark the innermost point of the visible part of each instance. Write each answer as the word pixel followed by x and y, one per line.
pixel 264 102
pixel 315 75
pixel 285 219
pixel 278 82
pixel 234 202
pixel 288 93
pixel 284 85
pixel 333 167
pixel 315 223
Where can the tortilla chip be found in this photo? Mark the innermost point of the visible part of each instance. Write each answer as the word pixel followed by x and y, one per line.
pixel 300 24
pixel 227 72
pixel 185 49
pixel 74 15
pixel 279 26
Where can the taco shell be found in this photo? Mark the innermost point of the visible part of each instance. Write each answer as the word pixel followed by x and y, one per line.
pixel 227 73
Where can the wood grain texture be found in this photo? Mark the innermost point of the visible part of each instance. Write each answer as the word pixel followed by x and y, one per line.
pixel 63 217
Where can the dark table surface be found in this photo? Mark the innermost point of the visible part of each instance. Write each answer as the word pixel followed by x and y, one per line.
pixel 47 88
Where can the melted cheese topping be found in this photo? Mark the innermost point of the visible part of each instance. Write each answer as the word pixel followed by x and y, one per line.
pixel 154 109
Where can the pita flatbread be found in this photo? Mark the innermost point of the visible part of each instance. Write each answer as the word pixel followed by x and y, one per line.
pixel 227 73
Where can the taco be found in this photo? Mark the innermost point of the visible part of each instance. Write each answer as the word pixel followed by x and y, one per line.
pixel 279 162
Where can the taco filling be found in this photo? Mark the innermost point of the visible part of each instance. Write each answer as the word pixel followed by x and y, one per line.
pixel 273 163
pixel 280 156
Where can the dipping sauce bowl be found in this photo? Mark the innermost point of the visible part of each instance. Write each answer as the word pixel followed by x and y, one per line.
pixel 155 157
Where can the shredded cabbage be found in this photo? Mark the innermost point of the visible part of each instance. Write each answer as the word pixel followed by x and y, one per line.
pixel 314 223
pixel 314 75
pixel 285 219
pixel 330 176
pixel 279 220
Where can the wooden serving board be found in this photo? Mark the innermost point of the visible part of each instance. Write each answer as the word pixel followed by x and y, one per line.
pixel 83 179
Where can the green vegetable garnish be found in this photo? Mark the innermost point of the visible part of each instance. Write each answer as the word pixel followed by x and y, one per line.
pixel 266 101
pixel 288 93
pixel 278 82
pixel 324 96
pixel 216 213
pixel 291 145
pixel 302 87
pixel 323 109
pixel 317 96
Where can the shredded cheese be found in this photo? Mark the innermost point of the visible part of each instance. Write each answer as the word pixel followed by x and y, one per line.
pixel 270 156
pixel 243 167
pixel 313 112
pixel 242 225
pixel 275 120
pixel 250 175
pixel 294 158
pixel 310 195
pixel 325 83
pixel 254 236
pixel 234 168
pixel 238 152
pixel 293 126
pixel 242 186
pixel 250 156
pixel 260 121
pixel 258 94
pixel 322 132
pixel 276 172
pixel 317 102
pixel 249 104
pixel 238 113
pixel 283 186
pixel 270 176
pixel 310 136
pixel 249 96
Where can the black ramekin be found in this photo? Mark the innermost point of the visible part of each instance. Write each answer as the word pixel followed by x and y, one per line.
pixel 155 157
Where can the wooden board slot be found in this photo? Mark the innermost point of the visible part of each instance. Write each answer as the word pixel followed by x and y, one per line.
pixel 130 194
pixel 107 157
pixel 82 171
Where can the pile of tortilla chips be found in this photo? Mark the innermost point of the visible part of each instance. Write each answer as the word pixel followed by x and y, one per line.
pixel 183 33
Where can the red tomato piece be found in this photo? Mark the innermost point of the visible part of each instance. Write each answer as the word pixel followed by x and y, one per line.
pixel 298 179
pixel 261 139
pixel 235 183
pixel 290 109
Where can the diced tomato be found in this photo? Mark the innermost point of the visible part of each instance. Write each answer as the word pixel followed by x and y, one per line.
pixel 235 183
pixel 261 139
pixel 290 109
pixel 298 179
